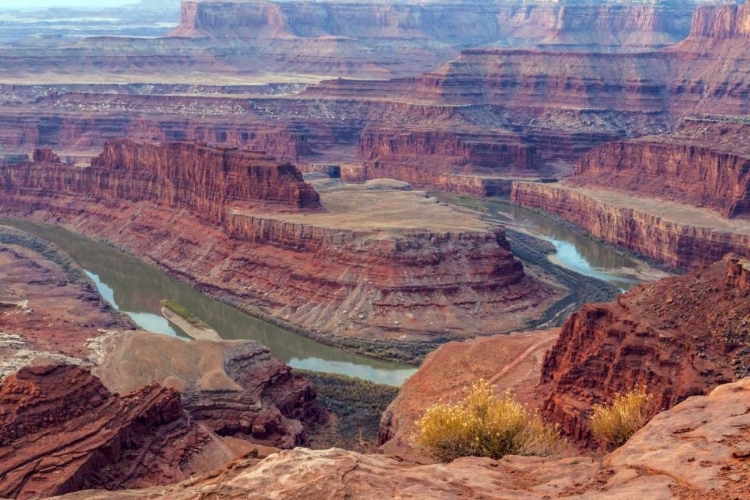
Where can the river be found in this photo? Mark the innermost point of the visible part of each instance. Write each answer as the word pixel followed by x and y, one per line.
pixel 137 289
pixel 576 251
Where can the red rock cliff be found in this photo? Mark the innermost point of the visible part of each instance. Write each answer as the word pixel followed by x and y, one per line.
pixel 696 174
pixel 680 337
pixel 722 22
pixel 62 431
pixel 205 180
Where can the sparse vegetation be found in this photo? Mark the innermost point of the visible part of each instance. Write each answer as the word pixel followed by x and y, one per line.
pixel 184 313
pixel 357 405
pixel 612 425
pixel 484 425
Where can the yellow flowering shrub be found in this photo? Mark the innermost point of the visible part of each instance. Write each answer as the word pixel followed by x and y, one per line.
pixel 484 425
pixel 612 425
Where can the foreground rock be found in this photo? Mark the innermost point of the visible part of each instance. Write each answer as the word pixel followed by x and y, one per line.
pixel 679 337
pixel 61 430
pixel 233 388
pixel 512 362
pixel 696 450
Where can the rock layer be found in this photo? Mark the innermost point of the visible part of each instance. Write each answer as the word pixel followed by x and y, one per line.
pixel 678 337
pixel 233 388
pixel 685 244
pixel 321 274
pixel 691 173
pixel 692 451
pixel 62 431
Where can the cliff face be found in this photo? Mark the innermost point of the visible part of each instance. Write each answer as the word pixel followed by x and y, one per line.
pixel 463 23
pixel 681 245
pixel 695 174
pixel 727 21
pixel 332 280
pixel 434 158
pixel 61 431
pixel 679 337
pixel 177 175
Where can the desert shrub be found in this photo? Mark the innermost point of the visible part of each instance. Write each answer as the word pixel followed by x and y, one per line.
pixel 484 425
pixel 612 425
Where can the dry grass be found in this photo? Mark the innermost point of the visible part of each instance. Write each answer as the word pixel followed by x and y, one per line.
pixel 484 425
pixel 612 425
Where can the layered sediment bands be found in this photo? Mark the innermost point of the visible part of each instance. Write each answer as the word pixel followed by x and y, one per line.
pixel 679 337
pixel 695 174
pixel 371 266
pixel 233 388
pixel 63 431
pixel 723 22
pixel 433 157
pixel 463 23
pixel 176 175
pixel 683 245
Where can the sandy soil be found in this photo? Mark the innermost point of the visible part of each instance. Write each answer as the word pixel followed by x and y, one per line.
pixel 361 208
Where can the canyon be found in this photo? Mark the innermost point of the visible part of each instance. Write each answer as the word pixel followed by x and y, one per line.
pixel 280 157
pixel 238 224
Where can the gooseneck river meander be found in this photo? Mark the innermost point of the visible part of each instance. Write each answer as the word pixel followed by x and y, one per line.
pixel 137 289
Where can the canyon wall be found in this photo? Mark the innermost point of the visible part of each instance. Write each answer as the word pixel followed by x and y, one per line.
pixel 727 21
pixel 692 173
pixel 677 337
pixel 455 23
pixel 309 274
pixel 177 175
pixel 437 158
pixel 679 245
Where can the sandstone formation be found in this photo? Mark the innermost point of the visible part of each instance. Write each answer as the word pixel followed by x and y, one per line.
pixel 675 234
pixel 62 431
pixel 679 337
pixel 233 388
pixel 696 450
pixel 329 274
pixel 695 174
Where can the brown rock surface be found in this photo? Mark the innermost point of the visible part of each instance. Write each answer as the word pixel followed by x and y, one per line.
pixel 233 388
pixel 49 309
pixel 691 451
pixel 62 431
pixel 512 362
pixel 679 337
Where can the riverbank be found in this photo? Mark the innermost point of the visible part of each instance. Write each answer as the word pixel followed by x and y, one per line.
pixel 195 331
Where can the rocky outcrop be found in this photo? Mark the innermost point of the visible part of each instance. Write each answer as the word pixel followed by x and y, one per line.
pixel 697 450
pixel 45 155
pixel 213 179
pixel 697 174
pixel 723 22
pixel 233 388
pixel 662 335
pixel 511 362
pixel 192 176
pixel 62 431
pixel 660 232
